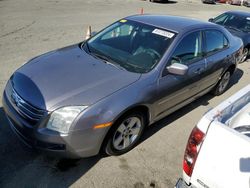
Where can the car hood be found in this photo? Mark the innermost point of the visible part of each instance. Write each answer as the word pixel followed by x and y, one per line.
pixel 68 76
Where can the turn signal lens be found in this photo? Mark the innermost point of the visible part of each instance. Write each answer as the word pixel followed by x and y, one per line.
pixel 102 125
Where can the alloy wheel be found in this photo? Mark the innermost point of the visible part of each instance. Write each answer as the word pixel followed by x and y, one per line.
pixel 126 133
pixel 224 82
pixel 244 55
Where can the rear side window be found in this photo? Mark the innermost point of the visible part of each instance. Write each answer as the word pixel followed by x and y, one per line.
pixel 215 41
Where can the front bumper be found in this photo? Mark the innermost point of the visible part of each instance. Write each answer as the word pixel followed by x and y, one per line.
pixel 181 184
pixel 77 144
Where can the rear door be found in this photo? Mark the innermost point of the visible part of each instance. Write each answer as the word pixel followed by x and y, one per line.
pixel 175 90
pixel 224 159
pixel 217 57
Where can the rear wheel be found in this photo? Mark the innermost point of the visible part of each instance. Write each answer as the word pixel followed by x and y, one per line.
pixel 222 85
pixel 125 134
pixel 244 54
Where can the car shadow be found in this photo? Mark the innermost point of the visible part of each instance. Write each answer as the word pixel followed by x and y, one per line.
pixel 236 77
pixel 19 165
pixel 202 101
pixel 205 3
pixel 26 164
pixel 166 2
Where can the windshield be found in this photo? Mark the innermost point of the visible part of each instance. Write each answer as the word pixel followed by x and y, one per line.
pixel 133 46
pixel 236 22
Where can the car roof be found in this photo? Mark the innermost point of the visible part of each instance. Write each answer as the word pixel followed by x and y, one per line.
pixel 175 23
pixel 239 13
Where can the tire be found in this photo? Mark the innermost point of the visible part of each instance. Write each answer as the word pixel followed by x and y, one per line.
pixel 223 83
pixel 244 55
pixel 125 134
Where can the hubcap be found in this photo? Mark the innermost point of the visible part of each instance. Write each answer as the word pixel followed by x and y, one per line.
pixel 127 133
pixel 244 55
pixel 224 82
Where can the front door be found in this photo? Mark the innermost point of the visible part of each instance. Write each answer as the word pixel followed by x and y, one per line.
pixel 175 90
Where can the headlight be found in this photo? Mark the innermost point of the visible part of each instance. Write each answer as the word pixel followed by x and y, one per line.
pixel 61 119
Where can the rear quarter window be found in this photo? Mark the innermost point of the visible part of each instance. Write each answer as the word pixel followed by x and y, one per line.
pixel 215 41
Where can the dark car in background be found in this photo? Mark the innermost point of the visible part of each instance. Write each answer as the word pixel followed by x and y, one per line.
pixel 246 3
pixel 158 0
pixel 238 23
pixel 209 1
pixel 100 94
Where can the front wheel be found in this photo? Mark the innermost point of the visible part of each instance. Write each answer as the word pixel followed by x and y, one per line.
pixel 125 134
pixel 222 85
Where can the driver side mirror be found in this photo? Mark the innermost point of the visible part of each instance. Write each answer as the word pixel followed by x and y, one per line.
pixel 210 19
pixel 177 68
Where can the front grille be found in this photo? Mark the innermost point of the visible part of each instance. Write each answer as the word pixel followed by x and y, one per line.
pixel 27 111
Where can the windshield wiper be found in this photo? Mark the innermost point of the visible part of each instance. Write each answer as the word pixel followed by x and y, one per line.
pixel 102 57
pixel 107 60
pixel 129 65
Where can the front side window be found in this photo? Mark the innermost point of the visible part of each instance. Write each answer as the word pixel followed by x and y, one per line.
pixel 189 49
pixel 135 46
pixel 215 41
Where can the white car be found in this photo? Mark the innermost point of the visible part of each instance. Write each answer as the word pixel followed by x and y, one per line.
pixel 218 150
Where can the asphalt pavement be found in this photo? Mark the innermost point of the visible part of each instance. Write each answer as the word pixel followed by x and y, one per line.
pixel 29 28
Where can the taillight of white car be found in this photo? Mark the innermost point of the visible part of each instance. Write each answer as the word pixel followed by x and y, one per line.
pixel 192 150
